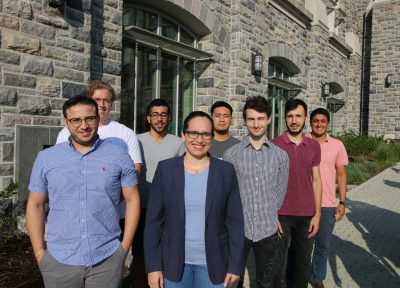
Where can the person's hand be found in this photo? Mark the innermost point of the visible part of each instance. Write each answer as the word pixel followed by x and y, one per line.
pixel 125 247
pixel 155 279
pixel 231 280
pixel 340 211
pixel 39 255
pixel 280 231
pixel 314 226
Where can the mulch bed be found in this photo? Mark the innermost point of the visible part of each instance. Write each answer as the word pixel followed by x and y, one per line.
pixel 18 267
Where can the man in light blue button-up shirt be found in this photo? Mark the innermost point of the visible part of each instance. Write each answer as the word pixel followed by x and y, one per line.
pixel 83 179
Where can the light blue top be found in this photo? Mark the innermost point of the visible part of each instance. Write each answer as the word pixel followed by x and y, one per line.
pixel 195 209
pixel 84 194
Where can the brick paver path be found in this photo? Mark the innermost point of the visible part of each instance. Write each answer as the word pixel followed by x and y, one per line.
pixel 366 243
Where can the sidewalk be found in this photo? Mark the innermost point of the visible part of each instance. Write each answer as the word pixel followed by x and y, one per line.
pixel 366 243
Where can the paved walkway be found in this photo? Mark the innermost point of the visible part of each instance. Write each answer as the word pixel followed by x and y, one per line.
pixel 366 243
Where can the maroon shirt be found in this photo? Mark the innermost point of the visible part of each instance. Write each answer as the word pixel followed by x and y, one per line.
pixel 299 199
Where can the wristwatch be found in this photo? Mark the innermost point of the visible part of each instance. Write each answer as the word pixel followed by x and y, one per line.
pixel 343 203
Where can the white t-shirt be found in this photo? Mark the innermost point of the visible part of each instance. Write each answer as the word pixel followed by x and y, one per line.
pixel 114 130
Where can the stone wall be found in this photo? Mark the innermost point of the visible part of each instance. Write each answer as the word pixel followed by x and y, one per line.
pixel 384 102
pixel 49 54
pixel 257 26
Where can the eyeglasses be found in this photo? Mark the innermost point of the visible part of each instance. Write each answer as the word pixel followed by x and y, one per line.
pixel 76 122
pixel 155 115
pixel 195 135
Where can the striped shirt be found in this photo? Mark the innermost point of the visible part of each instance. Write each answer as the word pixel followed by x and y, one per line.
pixel 263 178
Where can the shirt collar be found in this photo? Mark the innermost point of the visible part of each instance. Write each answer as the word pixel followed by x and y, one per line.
pixel 94 147
pixel 286 139
pixel 246 142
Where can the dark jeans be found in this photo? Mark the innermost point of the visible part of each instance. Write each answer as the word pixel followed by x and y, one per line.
pixel 295 229
pixel 264 254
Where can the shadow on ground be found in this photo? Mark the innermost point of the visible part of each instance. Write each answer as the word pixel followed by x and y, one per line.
pixel 378 267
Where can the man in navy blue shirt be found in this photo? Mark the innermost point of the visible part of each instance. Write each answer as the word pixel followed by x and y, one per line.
pixel 82 178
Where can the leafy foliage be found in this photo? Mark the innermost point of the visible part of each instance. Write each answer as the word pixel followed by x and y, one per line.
pixel 368 156
pixel 8 213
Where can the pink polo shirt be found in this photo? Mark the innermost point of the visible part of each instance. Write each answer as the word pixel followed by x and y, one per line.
pixel 299 199
pixel 333 154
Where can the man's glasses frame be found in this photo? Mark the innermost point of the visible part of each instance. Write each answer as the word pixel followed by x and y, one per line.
pixel 155 115
pixel 89 120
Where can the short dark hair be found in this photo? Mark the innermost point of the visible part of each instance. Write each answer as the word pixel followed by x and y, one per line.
pixel 320 111
pixel 218 104
pixel 79 100
pixel 99 84
pixel 258 103
pixel 293 104
pixel 157 103
pixel 196 114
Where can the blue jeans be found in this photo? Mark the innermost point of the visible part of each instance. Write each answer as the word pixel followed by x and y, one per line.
pixel 195 276
pixel 323 244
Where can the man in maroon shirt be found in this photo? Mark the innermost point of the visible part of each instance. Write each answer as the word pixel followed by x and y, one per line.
pixel 301 210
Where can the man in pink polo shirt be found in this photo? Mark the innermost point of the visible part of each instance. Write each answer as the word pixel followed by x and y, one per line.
pixel 300 213
pixel 333 162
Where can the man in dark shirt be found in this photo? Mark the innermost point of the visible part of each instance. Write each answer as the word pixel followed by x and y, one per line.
pixel 221 113
pixel 300 213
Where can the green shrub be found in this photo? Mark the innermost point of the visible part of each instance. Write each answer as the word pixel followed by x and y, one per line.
pixel 8 213
pixel 368 156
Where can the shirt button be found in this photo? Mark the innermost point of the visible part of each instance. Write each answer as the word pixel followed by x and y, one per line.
pixel 83 236
pixel 256 192
pixel 83 220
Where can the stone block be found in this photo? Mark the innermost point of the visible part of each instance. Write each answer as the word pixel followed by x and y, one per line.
pixel 67 74
pixel 111 67
pixel 6 134
pixel 56 22
pixel 10 7
pixel 115 16
pixel 37 66
pixel 79 62
pixel 71 89
pixel 81 34
pixel 48 87
pixel 25 9
pixel 37 29
pixel 70 44
pixel 10 120
pixel 8 96
pixel 54 53
pixel 47 121
pixel 20 42
pixel 56 104
pixel 19 80
pixel 111 3
pixel 34 106
pixel 9 22
pixel 6 169
pixel 9 57
pixel 205 83
pixel 239 89
pixel 112 42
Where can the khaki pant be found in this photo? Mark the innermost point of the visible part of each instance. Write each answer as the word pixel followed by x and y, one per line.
pixel 107 274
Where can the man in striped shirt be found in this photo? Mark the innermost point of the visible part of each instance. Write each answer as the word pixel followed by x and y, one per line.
pixel 262 170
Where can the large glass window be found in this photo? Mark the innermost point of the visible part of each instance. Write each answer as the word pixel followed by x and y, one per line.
pixel 149 72
pixel 277 96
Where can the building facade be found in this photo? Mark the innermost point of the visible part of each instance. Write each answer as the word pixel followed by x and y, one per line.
pixel 190 53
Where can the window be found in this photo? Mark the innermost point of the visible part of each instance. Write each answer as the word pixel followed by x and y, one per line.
pixel 278 95
pixel 158 62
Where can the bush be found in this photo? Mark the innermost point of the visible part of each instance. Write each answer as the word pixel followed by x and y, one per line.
pixel 368 156
pixel 8 213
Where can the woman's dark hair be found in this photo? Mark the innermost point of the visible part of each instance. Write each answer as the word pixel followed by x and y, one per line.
pixel 196 114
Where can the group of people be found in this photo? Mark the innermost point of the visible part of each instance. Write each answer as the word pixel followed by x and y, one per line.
pixel 190 207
